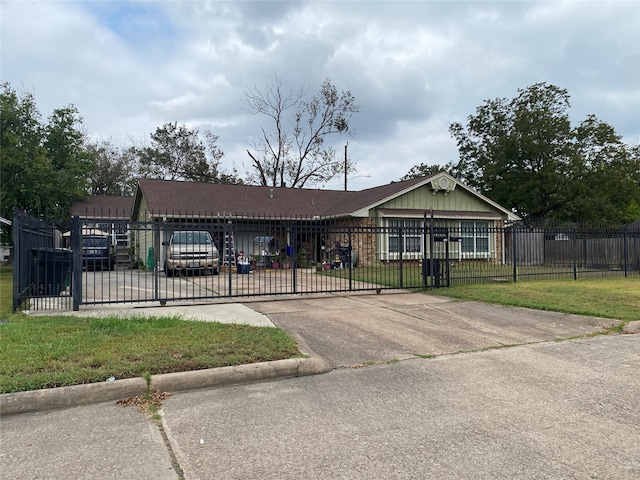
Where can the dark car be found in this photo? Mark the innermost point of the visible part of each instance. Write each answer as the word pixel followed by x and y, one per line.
pixel 97 253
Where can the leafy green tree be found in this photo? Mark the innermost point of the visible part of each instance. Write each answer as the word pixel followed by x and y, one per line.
pixel 606 186
pixel 64 141
pixel 524 154
pixel 24 163
pixel 112 171
pixel 43 165
pixel 178 153
pixel 293 152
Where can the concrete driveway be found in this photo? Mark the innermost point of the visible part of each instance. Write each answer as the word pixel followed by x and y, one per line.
pixel 368 328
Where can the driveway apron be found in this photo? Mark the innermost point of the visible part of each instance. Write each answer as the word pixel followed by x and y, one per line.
pixel 365 329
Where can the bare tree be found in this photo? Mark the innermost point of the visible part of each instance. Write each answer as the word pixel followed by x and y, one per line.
pixel 293 153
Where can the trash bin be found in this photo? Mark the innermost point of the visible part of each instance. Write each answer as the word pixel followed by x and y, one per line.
pixel 51 268
pixel 432 267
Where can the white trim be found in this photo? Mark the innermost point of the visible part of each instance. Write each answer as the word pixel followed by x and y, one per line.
pixel 418 215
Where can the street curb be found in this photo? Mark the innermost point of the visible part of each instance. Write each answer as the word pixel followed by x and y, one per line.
pixel 65 397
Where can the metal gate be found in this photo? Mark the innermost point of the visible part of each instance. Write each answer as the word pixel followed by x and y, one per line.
pixel 264 258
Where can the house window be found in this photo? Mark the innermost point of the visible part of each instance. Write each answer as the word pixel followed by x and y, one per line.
pixel 411 240
pixel 475 239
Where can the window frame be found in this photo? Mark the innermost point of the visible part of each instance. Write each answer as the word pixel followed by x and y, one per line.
pixel 472 233
pixel 414 239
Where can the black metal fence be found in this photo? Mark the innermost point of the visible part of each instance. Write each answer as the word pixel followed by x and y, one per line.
pixel 64 266
pixel 41 267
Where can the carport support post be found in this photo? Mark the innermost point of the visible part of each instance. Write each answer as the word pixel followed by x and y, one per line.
pixel 76 261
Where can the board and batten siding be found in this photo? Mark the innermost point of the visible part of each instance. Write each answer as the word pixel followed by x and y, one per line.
pixel 424 199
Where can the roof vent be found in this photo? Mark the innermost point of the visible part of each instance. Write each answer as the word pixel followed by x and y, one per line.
pixel 271 193
pixel 443 183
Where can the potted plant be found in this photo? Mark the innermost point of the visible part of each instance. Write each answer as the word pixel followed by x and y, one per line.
pixel 285 262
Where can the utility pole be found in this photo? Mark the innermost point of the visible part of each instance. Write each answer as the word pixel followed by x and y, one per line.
pixel 345 166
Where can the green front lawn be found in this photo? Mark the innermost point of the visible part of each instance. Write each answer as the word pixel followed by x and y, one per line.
pixel 612 297
pixel 52 351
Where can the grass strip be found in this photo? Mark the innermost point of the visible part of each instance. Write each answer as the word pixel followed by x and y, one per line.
pixel 612 297
pixel 44 352
pixel 6 291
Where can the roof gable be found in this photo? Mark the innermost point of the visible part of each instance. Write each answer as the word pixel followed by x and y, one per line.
pixel 441 181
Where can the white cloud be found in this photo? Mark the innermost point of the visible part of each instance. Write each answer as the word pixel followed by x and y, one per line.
pixel 414 67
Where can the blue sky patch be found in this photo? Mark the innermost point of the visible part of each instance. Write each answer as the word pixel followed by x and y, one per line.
pixel 136 23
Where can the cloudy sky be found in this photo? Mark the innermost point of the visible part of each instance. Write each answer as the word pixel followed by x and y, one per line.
pixel 413 67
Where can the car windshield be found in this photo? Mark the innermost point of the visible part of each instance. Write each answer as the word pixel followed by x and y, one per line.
pixel 95 242
pixel 191 238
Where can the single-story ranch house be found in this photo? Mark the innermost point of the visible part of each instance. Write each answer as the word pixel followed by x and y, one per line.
pixel 398 204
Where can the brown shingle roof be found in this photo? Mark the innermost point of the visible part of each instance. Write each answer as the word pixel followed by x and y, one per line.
pixel 206 199
pixel 104 206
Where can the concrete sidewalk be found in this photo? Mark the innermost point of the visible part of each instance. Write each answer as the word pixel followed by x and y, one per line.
pixel 548 410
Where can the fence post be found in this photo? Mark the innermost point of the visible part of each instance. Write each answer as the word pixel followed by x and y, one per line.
pixel 228 253
pixel 156 271
pixel 446 262
pixel 76 261
pixel 424 251
pixel 401 238
pixel 350 259
pixel 294 260
pixel 573 254
pixel 17 258
pixel 625 249
pixel 514 248
pixel 431 246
